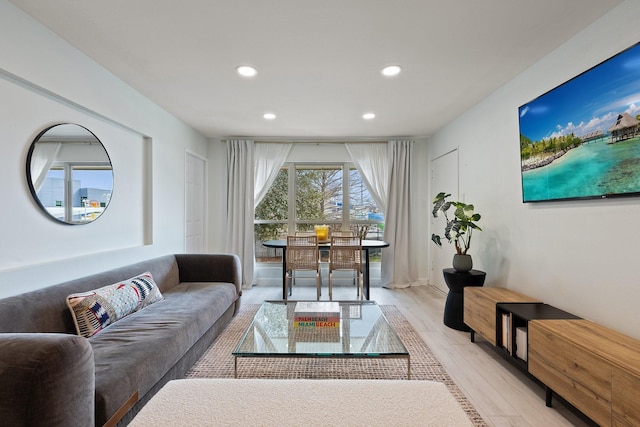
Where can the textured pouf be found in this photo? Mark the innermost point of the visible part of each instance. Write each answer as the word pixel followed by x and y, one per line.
pixel 272 402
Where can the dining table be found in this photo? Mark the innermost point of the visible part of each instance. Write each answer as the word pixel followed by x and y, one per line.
pixel 367 245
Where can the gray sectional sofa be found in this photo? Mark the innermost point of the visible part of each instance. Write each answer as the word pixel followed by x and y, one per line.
pixel 51 376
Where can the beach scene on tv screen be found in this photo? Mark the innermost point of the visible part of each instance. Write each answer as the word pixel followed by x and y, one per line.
pixel 582 139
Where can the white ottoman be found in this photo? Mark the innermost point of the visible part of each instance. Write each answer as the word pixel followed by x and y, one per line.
pixel 270 402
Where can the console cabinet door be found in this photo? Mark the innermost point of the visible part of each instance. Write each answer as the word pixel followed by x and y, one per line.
pixel 480 312
pixel 577 375
pixel 625 397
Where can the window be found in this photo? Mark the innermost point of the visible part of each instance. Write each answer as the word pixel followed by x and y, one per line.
pixel 318 196
pixel 304 195
pixel 88 188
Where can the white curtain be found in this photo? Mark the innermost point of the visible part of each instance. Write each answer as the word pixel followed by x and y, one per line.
pixel 252 169
pixel 269 158
pixel 399 268
pixel 386 170
pixel 42 157
pixel 372 161
pixel 240 211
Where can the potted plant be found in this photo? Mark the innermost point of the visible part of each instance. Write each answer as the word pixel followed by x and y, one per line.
pixel 458 229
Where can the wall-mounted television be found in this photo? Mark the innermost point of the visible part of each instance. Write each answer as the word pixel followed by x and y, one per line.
pixel 581 140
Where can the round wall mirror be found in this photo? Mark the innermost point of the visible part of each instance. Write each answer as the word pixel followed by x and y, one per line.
pixel 69 174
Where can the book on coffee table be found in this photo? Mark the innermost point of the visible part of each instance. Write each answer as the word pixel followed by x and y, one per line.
pixel 317 314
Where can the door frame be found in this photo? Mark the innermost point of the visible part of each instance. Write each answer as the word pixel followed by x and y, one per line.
pixel 205 197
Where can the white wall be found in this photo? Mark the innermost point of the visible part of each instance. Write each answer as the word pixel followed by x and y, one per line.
pixel 577 255
pixel 43 81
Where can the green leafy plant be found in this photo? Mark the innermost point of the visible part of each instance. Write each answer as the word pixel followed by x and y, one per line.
pixel 458 228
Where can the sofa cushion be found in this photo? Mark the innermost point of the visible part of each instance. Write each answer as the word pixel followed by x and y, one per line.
pixel 145 345
pixel 94 310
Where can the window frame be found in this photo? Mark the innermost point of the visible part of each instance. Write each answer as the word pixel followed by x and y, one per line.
pixel 292 222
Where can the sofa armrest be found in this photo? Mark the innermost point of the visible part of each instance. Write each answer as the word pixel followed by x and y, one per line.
pixel 210 268
pixel 46 379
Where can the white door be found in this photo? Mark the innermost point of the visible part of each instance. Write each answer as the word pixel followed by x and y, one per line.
pixel 195 203
pixel 444 178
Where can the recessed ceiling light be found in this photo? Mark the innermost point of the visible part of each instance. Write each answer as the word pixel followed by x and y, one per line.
pixel 368 116
pixel 391 70
pixel 269 116
pixel 246 70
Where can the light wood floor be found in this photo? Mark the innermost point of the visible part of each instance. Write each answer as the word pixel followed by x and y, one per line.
pixel 501 393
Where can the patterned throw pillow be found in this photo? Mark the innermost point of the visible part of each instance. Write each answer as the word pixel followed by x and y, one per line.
pixel 93 311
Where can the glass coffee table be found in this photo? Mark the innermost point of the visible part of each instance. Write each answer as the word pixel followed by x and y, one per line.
pixel 338 329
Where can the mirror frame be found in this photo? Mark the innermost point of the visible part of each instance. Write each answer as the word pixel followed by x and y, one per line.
pixel 32 188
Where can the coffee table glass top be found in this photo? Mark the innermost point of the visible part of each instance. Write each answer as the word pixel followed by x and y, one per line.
pixel 344 329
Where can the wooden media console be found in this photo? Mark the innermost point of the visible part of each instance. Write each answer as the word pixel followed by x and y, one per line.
pixel 594 368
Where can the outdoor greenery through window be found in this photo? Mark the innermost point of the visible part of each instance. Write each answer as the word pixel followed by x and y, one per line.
pixel 305 195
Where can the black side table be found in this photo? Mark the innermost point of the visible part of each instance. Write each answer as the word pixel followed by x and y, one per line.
pixel 454 307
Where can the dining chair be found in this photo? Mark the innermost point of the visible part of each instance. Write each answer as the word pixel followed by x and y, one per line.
pixel 344 233
pixel 363 230
pixel 360 230
pixel 302 255
pixel 324 252
pixel 345 253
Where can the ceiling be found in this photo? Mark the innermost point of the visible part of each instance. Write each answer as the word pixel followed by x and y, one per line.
pixel 318 62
